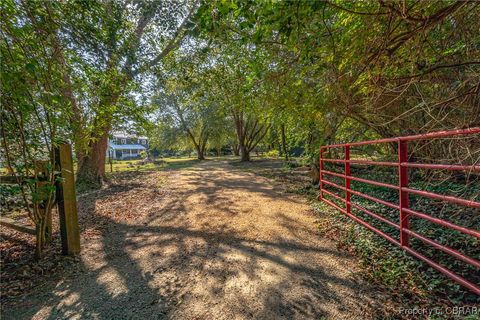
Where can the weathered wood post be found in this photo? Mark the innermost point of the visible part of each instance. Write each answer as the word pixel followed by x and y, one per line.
pixel 67 200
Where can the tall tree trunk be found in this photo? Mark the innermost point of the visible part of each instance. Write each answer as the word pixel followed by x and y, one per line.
pixel 284 142
pixel 76 117
pixel 236 150
pixel 240 127
pixel 91 169
pixel 202 138
pixel 66 88
pixel 243 148
pixel 249 133
pixel 315 173
pixel 200 152
pixel 244 153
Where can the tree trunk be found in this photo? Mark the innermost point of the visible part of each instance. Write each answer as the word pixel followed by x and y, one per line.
pixel 236 150
pixel 284 142
pixel 315 173
pixel 244 153
pixel 200 153
pixel 91 169
pixel 249 133
pixel 200 146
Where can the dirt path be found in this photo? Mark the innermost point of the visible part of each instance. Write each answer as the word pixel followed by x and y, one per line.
pixel 206 242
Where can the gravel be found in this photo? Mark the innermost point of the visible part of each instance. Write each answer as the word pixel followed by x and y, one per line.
pixel 206 242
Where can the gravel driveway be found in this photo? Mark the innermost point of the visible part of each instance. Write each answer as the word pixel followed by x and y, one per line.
pixel 206 242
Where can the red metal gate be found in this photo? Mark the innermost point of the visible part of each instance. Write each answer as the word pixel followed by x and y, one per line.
pixel 405 212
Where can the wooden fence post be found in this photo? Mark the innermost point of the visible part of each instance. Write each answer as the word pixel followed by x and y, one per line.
pixel 67 200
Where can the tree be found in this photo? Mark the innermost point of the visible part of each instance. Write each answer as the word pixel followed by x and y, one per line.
pixel 387 66
pixel 34 115
pixel 188 122
pixel 122 53
pixel 250 131
pixel 240 93
pixel 102 49
pixel 183 96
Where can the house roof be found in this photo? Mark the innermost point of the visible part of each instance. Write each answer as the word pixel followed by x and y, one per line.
pixel 123 134
pixel 126 146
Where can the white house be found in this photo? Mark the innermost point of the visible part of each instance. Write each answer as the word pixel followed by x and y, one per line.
pixel 123 146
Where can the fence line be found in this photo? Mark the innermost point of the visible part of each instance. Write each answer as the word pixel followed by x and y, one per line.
pixel 65 198
pixel 405 212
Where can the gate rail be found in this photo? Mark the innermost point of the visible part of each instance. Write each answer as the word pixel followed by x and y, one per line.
pixel 405 212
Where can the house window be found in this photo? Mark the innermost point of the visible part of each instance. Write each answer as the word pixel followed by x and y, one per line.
pixel 124 141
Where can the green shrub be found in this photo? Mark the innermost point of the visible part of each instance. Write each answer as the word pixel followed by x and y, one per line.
pixel 272 153
pixel 291 164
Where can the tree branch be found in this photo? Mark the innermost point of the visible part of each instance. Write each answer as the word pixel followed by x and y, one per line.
pixel 356 12
pixel 437 67
pixel 174 42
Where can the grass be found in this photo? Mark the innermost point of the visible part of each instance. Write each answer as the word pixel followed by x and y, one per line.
pixel 127 168
pixel 140 165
